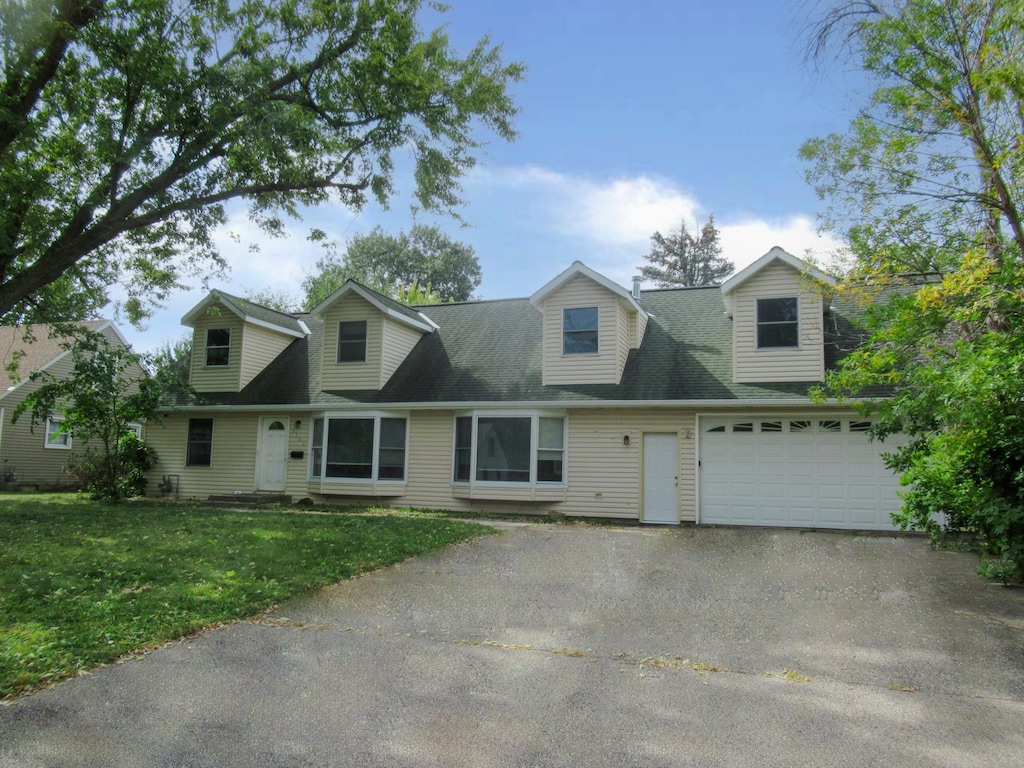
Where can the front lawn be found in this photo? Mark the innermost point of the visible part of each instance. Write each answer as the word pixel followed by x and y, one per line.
pixel 83 583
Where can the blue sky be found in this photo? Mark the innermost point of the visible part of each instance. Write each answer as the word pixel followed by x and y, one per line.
pixel 635 115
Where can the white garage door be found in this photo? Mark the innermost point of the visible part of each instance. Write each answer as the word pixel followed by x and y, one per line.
pixel 805 472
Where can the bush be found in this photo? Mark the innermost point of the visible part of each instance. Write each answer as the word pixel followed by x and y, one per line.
pixel 117 476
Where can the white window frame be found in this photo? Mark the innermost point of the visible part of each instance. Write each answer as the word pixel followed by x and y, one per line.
pixel 208 347
pixel 376 416
pixel 535 417
pixel 136 428
pixel 54 430
pixel 758 323
pixel 365 341
pixel 597 330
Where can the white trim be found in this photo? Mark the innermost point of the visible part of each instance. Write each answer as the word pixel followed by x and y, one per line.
pixel 579 268
pixel 757 324
pixel 273 327
pixel 370 483
pixel 597 329
pixel 564 405
pixel 775 254
pixel 352 286
pixel 534 416
pixel 191 316
pixel 261 425
pixel 65 446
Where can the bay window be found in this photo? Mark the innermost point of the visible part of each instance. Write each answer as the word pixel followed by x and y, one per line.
pixel 358 448
pixel 509 449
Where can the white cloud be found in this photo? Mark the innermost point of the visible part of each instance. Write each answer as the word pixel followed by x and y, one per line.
pixel 746 239
pixel 611 221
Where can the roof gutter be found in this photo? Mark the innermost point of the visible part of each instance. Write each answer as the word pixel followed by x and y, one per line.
pixel 525 405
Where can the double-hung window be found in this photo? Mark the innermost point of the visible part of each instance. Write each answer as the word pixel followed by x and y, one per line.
pixel 218 346
pixel 358 448
pixel 509 449
pixel 56 436
pixel 352 341
pixel 778 323
pixel 199 446
pixel 579 331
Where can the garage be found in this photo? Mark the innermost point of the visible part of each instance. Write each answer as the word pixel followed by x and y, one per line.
pixel 798 471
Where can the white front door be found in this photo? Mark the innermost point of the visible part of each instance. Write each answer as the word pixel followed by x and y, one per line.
pixel 273 459
pixel 661 478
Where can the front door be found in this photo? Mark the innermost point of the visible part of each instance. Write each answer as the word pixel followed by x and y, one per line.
pixel 661 478
pixel 273 459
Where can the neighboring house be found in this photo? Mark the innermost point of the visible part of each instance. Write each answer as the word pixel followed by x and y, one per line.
pixel 665 406
pixel 36 458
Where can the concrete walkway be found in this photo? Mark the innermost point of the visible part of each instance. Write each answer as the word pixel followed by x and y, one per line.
pixel 580 646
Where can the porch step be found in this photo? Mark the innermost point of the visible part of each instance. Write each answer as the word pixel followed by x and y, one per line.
pixel 246 500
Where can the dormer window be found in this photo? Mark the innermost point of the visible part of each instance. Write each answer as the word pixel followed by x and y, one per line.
pixel 218 346
pixel 579 331
pixel 352 341
pixel 778 324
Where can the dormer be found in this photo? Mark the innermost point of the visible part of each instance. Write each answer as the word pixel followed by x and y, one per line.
pixel 233 339
pixel 366 337
pixel 777 315
pixel 590 324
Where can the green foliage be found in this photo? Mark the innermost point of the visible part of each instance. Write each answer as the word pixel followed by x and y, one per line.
pixel 126 125
pixel 83 583
pixel 106 391
pixel 680 259
pixel 424 263
pixel 94 469
pixel 928 187
pixel 274 299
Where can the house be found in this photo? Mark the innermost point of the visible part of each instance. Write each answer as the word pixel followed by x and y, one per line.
pixel 35 458
pixel 588 399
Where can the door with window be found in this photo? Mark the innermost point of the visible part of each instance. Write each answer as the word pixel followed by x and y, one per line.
pixel 661 478
pixel 273 459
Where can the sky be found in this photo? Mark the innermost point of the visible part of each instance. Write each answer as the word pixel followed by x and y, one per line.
pixel 635 116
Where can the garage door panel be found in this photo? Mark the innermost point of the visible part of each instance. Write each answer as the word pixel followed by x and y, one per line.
pixel 817 473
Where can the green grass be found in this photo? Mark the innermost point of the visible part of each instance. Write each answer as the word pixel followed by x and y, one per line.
pixel 83 583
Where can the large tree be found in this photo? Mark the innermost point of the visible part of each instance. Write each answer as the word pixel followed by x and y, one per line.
pixel 927 186
pixel 680 259
pixel 423 263
pixel 127 125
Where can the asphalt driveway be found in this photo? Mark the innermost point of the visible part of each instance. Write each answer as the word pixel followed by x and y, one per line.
pixel 580 646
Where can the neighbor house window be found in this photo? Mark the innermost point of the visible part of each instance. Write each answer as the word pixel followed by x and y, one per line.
pixel 218 346
pixel 56 437
pixel 777 323
pixel 199 449
pixel 352 341
pixel 579 331
pixel 358 448
pixel 509 449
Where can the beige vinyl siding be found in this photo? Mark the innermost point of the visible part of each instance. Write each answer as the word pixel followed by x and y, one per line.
pixel 398 341
pixel 625 338
pixel 605 475
pixel 260 346
pixel 750 364
pixel 602 368
pixel 23 449
pixel 641 329
pixel 233 459
pixel 365 375
pixel 217 378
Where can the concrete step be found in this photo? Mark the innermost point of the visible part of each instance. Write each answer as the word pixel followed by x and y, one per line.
pixel 246 500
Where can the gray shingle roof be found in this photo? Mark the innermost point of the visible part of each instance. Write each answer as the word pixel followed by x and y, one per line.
pixel 490 352
pixel 245 308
